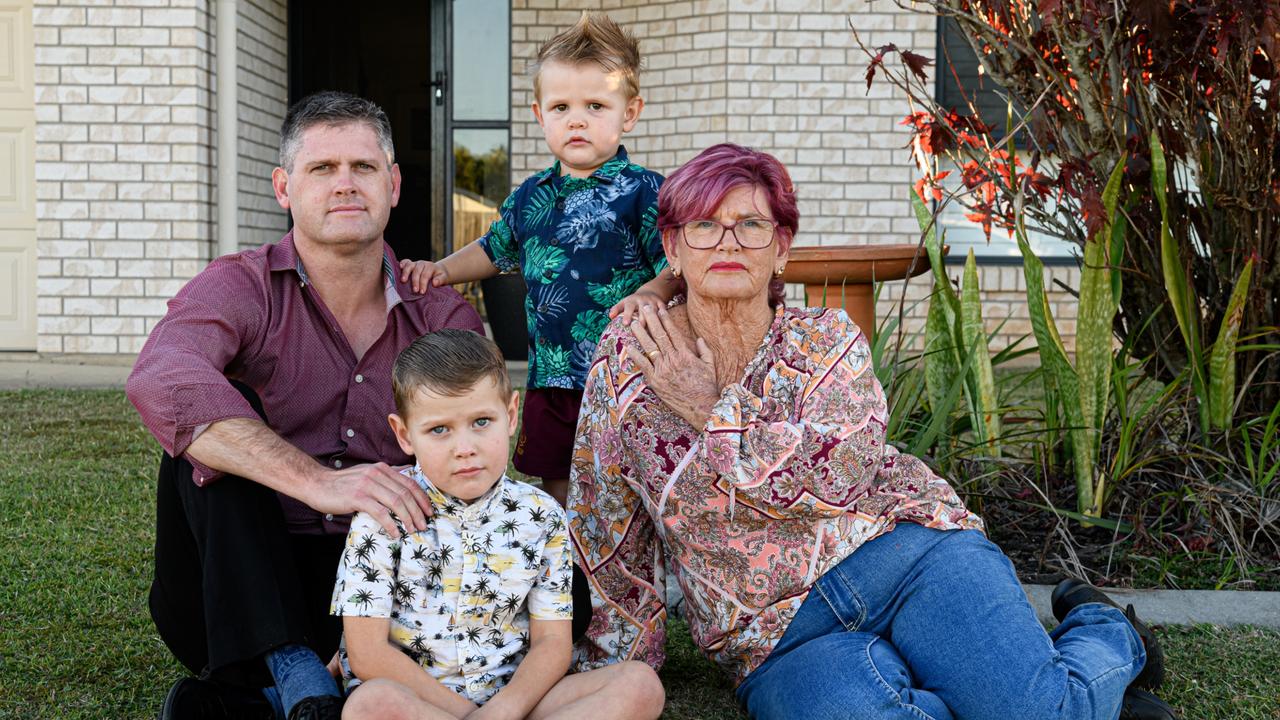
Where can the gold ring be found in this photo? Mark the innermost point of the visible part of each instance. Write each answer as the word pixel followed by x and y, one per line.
pixel 652 354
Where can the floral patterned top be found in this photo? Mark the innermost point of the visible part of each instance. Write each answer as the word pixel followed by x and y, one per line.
pixel 583 244
pixel 790 474
pixel 461 592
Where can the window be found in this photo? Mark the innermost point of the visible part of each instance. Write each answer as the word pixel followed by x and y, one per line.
pixel 956 59
pixel 480 128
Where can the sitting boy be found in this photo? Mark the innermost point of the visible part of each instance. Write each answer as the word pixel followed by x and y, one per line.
pixel 469 618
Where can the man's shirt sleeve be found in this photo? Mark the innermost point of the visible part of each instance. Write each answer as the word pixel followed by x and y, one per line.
pixel 177 383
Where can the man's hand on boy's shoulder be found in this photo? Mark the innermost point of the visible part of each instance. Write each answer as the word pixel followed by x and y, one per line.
pixel 376 489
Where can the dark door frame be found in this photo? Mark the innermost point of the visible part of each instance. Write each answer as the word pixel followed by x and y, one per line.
pixel 441 132
pixel 438 90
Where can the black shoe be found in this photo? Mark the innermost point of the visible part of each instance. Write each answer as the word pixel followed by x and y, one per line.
pixel 192 699
pixel 317 707
pixel 1071 592
pixel 1142 705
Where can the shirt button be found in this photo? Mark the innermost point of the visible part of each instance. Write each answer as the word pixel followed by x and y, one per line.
pixel 554 241
pixel 328 516
pixel 337 463
pixel 351 433
pixel 359 378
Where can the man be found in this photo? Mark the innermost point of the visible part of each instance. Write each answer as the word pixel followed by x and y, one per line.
pixel 268 385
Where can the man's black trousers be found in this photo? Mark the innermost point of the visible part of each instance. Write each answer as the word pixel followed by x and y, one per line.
pixel 231 583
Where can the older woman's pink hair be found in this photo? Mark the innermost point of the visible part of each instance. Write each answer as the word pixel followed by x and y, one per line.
pixel 696 189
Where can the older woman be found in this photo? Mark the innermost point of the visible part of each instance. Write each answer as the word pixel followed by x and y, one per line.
pixel 738 447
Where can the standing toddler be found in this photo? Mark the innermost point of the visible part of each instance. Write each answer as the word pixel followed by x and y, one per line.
pixel 583 232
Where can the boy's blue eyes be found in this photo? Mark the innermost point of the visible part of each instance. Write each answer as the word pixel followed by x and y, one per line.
pixel 442 429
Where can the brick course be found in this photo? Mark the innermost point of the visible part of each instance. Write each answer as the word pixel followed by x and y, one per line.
pixel 124 135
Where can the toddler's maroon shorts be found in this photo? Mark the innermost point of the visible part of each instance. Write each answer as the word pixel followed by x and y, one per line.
pixel 548 426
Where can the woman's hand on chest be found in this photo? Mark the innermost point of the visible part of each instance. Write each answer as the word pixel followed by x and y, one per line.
pixel 677 367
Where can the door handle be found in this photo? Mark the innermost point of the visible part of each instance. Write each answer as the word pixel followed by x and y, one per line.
pixel 439 85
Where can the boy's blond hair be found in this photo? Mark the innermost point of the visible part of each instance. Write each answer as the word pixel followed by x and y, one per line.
pixel 593 39
pixel 447 362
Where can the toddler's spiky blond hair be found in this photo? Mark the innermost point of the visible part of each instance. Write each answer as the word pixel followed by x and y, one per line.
pixel 593 39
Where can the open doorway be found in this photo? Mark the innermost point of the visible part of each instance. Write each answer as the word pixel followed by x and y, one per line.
pixel 392 53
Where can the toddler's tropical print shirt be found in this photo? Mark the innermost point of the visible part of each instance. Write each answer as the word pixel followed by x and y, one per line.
pixel 461 592
pixel 582 244
pixel 787 477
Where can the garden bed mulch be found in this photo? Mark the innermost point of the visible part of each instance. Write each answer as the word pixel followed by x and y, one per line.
pixel 1046 549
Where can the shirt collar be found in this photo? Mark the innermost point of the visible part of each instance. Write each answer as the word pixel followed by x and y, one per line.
pixel 606 172
pixel 284 256
pixel 451 507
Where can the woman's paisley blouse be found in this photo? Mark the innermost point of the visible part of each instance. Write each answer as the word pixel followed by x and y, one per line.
pixel 788 476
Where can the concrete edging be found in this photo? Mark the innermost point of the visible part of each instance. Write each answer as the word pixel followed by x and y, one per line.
pixel 1181 607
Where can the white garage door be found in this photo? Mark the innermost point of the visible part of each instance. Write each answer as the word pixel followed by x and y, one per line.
pixel 17 178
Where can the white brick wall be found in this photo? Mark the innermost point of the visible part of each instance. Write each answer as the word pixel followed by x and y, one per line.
pixel 124 134
pixel 1004 304
pixel 786 77
pixel 125 130
pixel 262 29
pixel 123 168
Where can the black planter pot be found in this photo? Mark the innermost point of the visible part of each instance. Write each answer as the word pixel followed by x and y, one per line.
pixel 504 304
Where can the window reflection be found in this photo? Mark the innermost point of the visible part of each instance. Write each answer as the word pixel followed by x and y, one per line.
pixel 480 163
pixel 481 60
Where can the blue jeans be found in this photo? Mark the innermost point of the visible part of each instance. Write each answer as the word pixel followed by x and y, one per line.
pixel 930 624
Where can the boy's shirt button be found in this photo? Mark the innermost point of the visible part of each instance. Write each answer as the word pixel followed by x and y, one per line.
pixel 554 241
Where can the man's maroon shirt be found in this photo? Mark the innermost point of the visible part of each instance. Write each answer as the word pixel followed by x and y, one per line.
pixel 253 317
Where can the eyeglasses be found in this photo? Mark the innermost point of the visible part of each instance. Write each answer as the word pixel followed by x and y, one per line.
pixel 751 233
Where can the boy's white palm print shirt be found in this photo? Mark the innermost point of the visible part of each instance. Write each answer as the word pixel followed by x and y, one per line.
pixel 460 593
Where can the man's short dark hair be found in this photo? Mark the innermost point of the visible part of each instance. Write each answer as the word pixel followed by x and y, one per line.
pixel 448 362
pixel 331 107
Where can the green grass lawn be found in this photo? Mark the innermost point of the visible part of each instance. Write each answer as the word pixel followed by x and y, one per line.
pixel 77 502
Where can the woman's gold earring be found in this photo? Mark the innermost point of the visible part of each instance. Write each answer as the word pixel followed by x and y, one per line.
pixel 675 271
pixel 778 272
